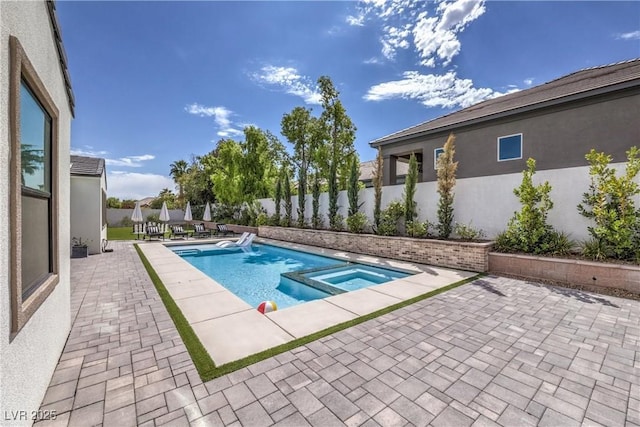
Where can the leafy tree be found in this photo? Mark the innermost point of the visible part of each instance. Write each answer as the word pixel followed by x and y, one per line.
pixel 256 164
pixel 129 204
pixel 31 159
pixel 197 184
pixel 114 202
pixel 178 170
pixel 446 168
pixel 528 230
pixel 288 206
pixel 225 169
pixel 610 204
pixel 410 183
pixel 277 198
pixel 377 189
pixel 166 196
pixel 299 127
pixel 338 131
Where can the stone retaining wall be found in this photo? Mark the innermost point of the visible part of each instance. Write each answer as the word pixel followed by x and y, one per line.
pixel 571 271
pixel 444 253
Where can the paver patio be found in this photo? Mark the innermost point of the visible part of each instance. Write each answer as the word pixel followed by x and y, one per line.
pixel 493 352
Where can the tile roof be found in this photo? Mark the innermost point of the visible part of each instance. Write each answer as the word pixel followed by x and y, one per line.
pixel 86 166
pixel 580 83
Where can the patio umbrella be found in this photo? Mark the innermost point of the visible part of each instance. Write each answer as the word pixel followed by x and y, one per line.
pixel 136 217
pixel 187 213
pixel 207 213
pixel 164 213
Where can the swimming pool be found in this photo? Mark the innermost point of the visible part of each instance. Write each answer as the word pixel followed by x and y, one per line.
pixel 272 273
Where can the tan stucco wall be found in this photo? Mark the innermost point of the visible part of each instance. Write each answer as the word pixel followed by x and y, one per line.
pixel 27 362
pixel 86 209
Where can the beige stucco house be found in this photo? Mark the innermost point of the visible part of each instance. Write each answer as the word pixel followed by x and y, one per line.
pixel 36 108
pixel 89 201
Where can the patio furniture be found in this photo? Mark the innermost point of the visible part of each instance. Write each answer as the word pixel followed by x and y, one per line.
pixel 178 231
pixel 240 244
pixel 240 240
pixel 154 231
pixel 223 229
pixel 199 230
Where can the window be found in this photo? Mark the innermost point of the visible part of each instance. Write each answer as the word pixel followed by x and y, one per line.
pixel 34 214
pixel 510 147
pixel 436 153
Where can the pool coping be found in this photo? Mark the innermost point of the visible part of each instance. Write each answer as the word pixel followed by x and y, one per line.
pixel 230 329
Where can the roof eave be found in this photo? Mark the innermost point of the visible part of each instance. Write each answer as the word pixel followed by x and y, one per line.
pixel 531 107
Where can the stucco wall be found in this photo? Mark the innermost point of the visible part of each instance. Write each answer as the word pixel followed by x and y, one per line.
pixel 487 202
pixel 86 205
pixel 27 362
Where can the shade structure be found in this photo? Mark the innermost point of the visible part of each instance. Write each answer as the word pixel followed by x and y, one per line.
pixel 164 213
pixel 187 213
pixel 136 216
pixel 207 213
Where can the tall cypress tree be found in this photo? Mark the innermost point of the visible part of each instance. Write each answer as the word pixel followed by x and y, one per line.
pixel 410 190
pixel 288 205
pixel 446 181
pixel 277 197
pixel 377 190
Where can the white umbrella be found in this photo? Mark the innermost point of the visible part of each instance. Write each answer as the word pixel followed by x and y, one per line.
pixel 207 213
pixel 187 213
pixel 164 213
pixel 136 216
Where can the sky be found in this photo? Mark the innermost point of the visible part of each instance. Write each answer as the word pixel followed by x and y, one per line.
pixel 157 82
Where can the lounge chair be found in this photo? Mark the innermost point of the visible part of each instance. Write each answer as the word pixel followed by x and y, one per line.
pixel 239 241
pixel 200 231
pixel 154 231
pixel 178 231
pixel 223 229
pixel 244 244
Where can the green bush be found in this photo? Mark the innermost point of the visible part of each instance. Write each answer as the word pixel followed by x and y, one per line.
pixel 336 222
pixel 468 232
pixel 610 204
pixel 417 228
pixel 263 219
pixel 154 217
pixel 126 221
pixel 356 223
pixel 389 219
pixel 528 230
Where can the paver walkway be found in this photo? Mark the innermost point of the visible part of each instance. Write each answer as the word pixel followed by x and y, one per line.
pixel 494 352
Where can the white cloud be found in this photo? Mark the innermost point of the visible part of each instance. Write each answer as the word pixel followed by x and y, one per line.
pixel 357 21
pixel 528 81
pixel 406 22
pixel 372 60
pixel 136 186
pixel 435 38
pixel 127 161
pixel 632 35
pixel 288 79
pixel 446 90
pixel 221 116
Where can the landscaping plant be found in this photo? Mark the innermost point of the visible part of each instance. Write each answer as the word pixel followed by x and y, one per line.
pixel 316 219
pixel 288 207
pixel 446 169
pixel 410 211
pixel 528 230
pixel 377 190
pixel 390 217
pixel 277 197
pixel 609 203
pixel 468 232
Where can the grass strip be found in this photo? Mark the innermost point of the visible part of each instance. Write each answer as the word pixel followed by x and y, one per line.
pixel 205 365
pixel 201 358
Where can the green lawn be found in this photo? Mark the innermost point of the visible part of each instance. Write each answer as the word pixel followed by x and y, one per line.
pixel 120 233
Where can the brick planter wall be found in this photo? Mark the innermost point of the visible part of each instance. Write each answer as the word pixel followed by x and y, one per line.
pixel 444 253
pixel 571 271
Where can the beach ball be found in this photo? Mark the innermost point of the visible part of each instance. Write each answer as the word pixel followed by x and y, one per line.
pixel 267 307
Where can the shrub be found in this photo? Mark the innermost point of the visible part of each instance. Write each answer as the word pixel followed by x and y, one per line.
pixel 389 219
pixel 446 181
pixel 316 219
pixel 528 230
pixel 609 203
pixel 288 207
pixel 417 228
pixel 468 232
pixel 154 217
pixel 377 190
pixel 126 221
pixel 277 197
pixel 336 222
pixel 357 222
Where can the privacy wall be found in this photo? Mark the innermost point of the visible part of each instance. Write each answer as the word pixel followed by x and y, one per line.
pixel 486 202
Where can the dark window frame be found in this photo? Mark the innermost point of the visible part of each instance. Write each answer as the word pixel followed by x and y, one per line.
pixel 22 70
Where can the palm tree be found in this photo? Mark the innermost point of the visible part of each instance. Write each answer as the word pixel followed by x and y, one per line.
pixel 178 170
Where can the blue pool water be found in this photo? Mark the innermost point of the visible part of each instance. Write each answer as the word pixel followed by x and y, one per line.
pixel 353 277
pixel 254 275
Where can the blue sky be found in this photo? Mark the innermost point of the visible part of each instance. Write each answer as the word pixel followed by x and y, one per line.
pixel 157 82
